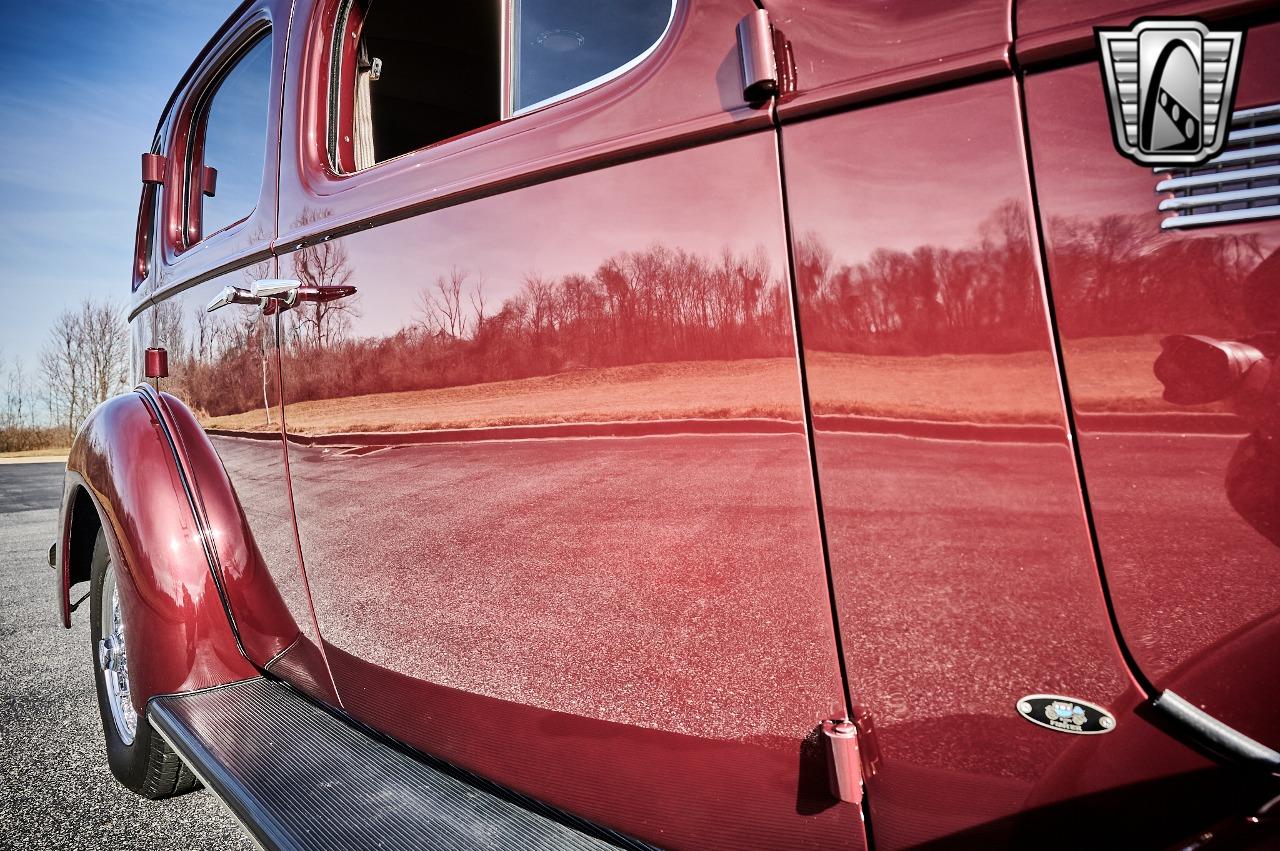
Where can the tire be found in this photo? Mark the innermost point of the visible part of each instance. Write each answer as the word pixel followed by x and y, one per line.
pixel 139 757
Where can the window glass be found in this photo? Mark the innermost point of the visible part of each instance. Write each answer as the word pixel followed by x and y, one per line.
pixel 561 45
pixel 233 143
pixel 406 74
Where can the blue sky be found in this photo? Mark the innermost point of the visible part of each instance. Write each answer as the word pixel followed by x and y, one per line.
pixel 85 81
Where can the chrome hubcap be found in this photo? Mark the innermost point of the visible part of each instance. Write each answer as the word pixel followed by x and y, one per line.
pixel 113 661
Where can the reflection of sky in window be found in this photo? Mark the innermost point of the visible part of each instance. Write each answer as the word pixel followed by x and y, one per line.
pixel 236 138
pixel 565 43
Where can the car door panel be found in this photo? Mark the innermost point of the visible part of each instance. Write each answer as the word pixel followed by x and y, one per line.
pixel 1178 490
pixel 583 505
pixel 961 560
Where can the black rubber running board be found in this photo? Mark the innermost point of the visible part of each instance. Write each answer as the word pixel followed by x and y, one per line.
pixel 299 777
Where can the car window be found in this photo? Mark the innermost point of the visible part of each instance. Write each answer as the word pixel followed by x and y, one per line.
pixel 229 147
pixel 411 74
pixel 565 45
pixel 405 75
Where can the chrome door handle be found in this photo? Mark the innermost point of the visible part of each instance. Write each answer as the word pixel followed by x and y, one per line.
pixel 281 290
pixel 282 294
pixel 231 295
pixel 275 294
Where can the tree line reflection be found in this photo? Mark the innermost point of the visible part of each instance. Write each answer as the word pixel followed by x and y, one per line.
pixel 1112 276
pixel 656 305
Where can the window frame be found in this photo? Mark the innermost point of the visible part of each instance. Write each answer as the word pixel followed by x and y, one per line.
pixel 179 261
pixel 149 217
pixel 629 117
pixel 336 77
pixel 193 187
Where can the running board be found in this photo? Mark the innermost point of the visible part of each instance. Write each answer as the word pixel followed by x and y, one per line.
pixel 299 777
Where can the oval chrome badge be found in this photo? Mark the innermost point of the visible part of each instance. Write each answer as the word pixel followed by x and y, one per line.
pixel 1066 714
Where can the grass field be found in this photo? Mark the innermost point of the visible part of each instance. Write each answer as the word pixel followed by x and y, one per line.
pixel 1106 374
pixel 53 453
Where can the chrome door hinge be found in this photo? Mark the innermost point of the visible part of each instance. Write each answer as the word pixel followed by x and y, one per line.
pixel 768 69
pixel 843 759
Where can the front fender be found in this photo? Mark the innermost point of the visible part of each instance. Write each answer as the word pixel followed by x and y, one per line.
pixel 259 615
pixel 124 459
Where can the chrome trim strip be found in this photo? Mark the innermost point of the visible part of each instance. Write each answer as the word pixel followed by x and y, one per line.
pixel 1245 154
pixel 1266 131
pixel 1218 218
pixel 1229 157
pixel 1186 202
pixel 1244 174
pixel 1243 115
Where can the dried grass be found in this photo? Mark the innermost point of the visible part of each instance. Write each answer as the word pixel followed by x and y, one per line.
pixel 1108 374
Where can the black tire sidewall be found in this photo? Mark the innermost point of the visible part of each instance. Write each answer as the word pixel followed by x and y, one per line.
pixel 129 762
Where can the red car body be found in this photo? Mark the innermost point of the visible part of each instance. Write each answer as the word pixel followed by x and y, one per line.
pixel 869 430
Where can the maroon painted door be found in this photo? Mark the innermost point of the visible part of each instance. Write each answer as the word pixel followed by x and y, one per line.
pixel 959 547
pixel 552 485
pixel 1169 310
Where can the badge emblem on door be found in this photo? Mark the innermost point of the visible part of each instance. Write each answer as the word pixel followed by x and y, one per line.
pixel 1066 714
pixel 1170 86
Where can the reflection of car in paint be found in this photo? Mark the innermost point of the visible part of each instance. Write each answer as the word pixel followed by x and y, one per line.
pixel 557 449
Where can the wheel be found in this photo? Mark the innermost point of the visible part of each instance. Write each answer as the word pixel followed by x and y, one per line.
pixel 139 757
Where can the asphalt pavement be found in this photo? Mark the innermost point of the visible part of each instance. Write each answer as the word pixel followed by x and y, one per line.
pixel 55 788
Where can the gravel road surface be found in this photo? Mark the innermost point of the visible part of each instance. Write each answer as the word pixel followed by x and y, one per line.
pixel 55 788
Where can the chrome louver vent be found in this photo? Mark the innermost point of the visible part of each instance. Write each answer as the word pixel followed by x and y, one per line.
pixel 1240 184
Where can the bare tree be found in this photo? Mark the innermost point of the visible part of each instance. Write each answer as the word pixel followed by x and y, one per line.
pixel 477 305
pixel 441 306
pixel 85 360
pixel 320 324
pixel 264 332
pixel 62 366
pixel 106 349
pixel 17 411
pixel 169 330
